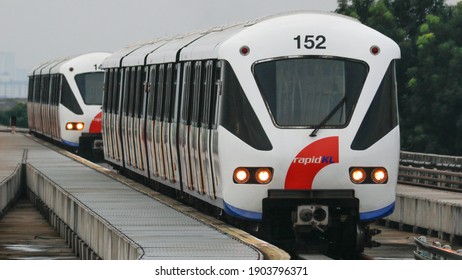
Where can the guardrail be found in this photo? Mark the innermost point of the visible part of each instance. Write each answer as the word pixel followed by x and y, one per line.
pixel 431 171
pixel 434 251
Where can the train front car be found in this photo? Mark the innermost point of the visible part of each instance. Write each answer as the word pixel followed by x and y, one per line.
pixel 309 135
pixel 64 102
pixel 81 100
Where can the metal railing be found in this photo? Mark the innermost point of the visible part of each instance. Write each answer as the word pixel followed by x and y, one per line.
pixel 434 251
pixel 431 171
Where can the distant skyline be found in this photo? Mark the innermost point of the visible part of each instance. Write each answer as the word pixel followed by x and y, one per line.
pixel 36 31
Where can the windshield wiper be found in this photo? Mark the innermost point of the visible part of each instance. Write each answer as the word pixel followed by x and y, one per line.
pixel 328 117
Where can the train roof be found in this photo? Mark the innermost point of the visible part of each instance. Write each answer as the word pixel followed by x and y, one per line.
pixel 57 65
pixel 206 44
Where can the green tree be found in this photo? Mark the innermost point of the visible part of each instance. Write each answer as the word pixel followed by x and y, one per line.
pixel 429 34
pixel 435 87
pixel 19 111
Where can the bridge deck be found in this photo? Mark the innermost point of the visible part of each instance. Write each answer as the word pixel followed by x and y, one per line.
pixel 110 212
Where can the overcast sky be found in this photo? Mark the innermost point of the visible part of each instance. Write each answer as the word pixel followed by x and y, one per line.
pixel 36 31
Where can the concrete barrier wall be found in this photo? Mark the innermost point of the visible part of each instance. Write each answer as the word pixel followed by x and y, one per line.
pixel 9 189
pixel 442 216
pixel 80 222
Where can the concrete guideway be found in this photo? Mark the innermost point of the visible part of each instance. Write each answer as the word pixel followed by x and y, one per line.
pixel 429 210
pixel 101 214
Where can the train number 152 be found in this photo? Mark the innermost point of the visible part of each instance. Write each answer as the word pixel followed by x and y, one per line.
pixel 311 42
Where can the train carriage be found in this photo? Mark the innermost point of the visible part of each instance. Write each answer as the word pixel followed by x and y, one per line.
pixel 289 121
pixel 64 101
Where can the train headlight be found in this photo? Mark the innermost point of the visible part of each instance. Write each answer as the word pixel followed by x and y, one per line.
pixel 357 175
pixel 379 175
pixel 241 175
pixel 79 126
pixel 263 175
pixel 368 175
pixel 253 175
pixel 75 126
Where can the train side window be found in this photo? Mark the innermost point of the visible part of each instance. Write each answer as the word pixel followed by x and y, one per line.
pixel 382 115
pixel 45 89
pixel 106 89
pixel 152 91
pixel 197 98
pixel 144 90
pixel 68 99
pixel 186 94
pixel 36 96
pixel 53 90
pixel 138 93
pixel 115 93
pixel 168 93
pixel 217 90
pixel 175 82
pixel 131 91
pixel 238 116
pixel 126 89
pixel 160 93
pixel 30 92
pixel 208 88
pixel 110 90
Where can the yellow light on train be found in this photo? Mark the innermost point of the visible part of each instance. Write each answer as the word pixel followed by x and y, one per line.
pixel 75 126
pixel 263 175
pixel 241 175
pixel 358 175
pixel 379 175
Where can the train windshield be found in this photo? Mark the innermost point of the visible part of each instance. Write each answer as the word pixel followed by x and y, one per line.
pixel 311 91
pixel 91 87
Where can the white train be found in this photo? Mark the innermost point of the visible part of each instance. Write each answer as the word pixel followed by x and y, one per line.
pixel 289 121
pixel 64 101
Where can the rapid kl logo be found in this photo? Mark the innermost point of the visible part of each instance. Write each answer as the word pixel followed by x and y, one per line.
pixel 320 159
pixel 307 164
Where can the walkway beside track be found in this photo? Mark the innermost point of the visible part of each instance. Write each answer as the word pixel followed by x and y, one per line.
pixel 110 217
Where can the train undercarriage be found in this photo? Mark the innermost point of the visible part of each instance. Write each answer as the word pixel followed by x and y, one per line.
pixel 324 221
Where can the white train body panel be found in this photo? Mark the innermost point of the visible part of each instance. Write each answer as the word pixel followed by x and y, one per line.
pixel 205 159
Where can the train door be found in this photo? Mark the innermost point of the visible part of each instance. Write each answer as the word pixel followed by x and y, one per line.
pixel 138 120
pixel 106 109
pixel 158 125
pixel 206 132
pixel 174 123
pixel 151 99
pixel 167 122
pixel 143 119
pixel 42 106
pixel 214 118
pixel 124 129
pixel 116 115
pixel 185 125
pixel 46 107
pixel 195 128
pixel 55 84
